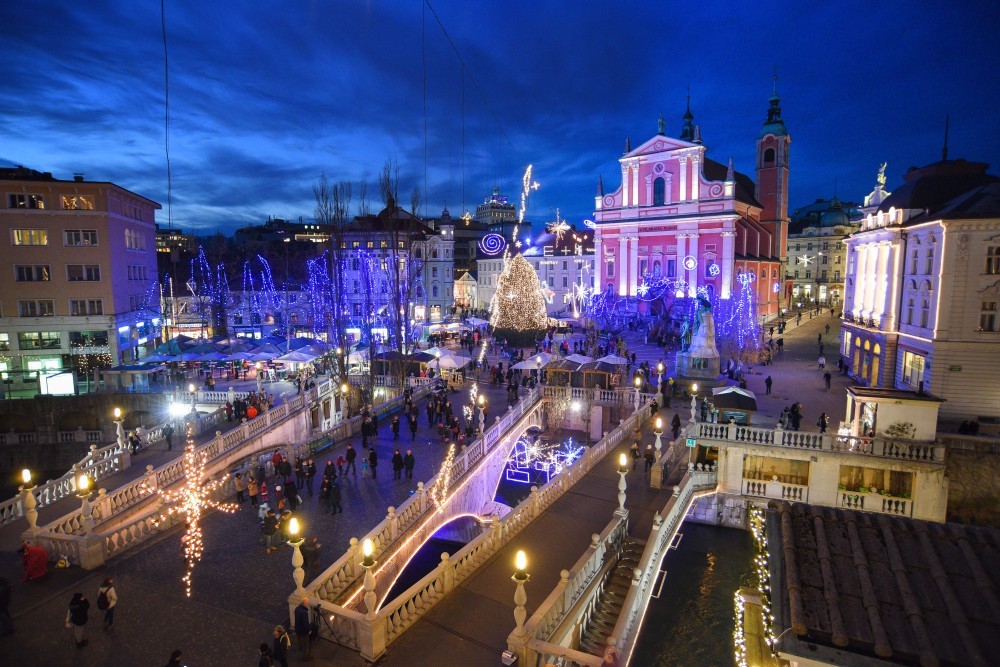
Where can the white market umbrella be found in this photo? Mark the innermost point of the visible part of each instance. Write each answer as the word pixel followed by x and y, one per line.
pixel 534 362
pixel 579 358
pixel 612 359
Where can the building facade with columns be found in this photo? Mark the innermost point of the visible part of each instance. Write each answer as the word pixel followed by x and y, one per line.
pixel 922 290
pixel 684 219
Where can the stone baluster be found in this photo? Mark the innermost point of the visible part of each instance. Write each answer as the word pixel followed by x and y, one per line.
pixel 447 574
pixel 354 557
pixel 534 502
pixel 393 522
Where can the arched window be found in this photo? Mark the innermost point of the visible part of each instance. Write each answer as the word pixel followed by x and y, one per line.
pixel 657 267
pixel 769 156
pixel 658 191
pixel 434 290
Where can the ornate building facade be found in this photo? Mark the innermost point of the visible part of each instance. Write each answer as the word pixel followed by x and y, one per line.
pixel 816 252
pixel 922 288
pixel 682 217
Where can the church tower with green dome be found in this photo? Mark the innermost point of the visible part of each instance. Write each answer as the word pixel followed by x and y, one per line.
pixel 772 174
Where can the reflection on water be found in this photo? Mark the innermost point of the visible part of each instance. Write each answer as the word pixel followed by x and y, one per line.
pixel 691 624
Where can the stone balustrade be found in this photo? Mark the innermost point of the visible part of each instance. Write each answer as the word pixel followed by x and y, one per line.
pixel 793 493
pixel 876 502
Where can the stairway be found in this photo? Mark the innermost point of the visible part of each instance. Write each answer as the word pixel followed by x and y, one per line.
pixel 602 622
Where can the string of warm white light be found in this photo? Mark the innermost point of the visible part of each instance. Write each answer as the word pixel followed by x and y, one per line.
pixel 192 499
pixel 519 303
pixel 439 492
pixel 762 575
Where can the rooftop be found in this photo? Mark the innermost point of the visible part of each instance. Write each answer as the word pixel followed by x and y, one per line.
pixel 883 588
pixel 897 394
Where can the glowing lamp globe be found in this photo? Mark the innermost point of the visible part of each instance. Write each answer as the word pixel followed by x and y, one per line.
pixel 659 423
pixel 521 564
pixel 623 461
pixel 82 482
pixel 118 413
pixel 293 527
pixel 26 477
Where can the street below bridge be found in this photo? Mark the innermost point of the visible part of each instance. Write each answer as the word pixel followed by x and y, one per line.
pixel 239 592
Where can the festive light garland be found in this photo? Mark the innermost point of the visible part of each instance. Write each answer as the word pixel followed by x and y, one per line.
pixel 519 303
pixel 191 500
pixel 439 492
pixel 762 575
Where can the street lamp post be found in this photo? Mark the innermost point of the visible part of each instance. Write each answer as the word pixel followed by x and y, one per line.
pixel 368 562
pixel 28 502
pixel 520 578
pixel 622 471
pixel 298 574
pixel 482 413
pixel 83 493
pixel 119 431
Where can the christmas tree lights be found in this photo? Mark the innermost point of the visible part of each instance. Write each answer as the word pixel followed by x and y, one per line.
pixel 191 500
pixel 519 306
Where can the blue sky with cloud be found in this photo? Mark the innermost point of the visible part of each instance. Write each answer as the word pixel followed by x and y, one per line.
pixel 264 96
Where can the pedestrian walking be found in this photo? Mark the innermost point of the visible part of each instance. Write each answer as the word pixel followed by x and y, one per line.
pixel 395 428
pixel 168 434
pixel 351 454
pixel 821 362
pixel 373 461
pixel 650 459
pixel 826 380
pixel 310 472
pixel 340 466
pixel 253 490
pixel 413 428
pixel 397 465
pixel 767 384
pixel 310 553
pixel 175 659
pixel 335 498
pixel 240 486
pixel 408 463
pixel 828 329
pixel 634 450
pixel 675 425
pixel 300 476
pixel 823 422
pixel 271 530
pixel 76 618
pixel 302 629
pixel 282 643
pixel 107 598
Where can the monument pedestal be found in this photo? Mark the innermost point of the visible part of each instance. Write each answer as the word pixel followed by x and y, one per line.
pixel 703 370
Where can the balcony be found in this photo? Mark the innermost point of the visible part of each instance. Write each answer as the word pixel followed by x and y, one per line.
pixel 875 502
pixel 863 322
pixel 793 493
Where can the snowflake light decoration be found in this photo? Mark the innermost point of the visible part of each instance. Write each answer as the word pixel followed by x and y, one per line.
pixel 548 460
pixel 806 260
pixel 776 287
pixel 713 269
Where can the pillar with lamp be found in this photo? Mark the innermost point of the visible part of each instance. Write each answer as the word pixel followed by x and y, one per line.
pixel 659 376
pixel 622 471
pixel 194 397
pixel 119 430
pixel 28 501
pixel 481 400
pixel 368 562
pixel 520 578
pixel 638 386
pixel 295 542
pixel 344 391
pixel 657 473
pixel 86 510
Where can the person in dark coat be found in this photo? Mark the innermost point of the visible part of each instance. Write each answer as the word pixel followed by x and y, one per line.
pixel 408 463
pixel 372 461
pixel 413 427
pixel 310 472
pixel 282 643
pixel 675 425
pixel 397 465
pixel 335 498
pixel 395 427
pixel 302 629
pixel 76 618
pixel 349 457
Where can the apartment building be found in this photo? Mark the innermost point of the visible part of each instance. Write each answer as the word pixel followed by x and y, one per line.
pixel 81 286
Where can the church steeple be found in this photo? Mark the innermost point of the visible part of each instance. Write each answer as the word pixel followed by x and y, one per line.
pixel 774 125
pixel 687 130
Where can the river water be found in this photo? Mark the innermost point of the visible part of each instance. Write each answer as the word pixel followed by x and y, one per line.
pixel 691 624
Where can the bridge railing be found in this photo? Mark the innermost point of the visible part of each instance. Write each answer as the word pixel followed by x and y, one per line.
pixel 370 633
pixel 907 450
pixel 665 525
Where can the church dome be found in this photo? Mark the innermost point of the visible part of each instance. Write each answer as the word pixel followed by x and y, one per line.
pixel 834 216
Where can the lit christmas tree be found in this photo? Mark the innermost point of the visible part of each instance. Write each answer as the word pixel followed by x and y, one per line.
pixel 741 334
pixel 519 314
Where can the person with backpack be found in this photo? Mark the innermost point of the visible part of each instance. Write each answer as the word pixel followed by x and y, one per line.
pixel 107 599
pixel 282 643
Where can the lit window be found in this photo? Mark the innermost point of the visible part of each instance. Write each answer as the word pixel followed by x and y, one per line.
pixel 913 369
pixel 31 236
pixel 78 202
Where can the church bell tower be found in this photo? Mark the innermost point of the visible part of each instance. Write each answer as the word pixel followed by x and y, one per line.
pixel 772 174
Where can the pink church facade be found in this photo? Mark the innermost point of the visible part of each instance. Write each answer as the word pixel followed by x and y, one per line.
pixel 683 218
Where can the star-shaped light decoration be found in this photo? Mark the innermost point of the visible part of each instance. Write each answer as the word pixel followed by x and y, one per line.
pixel 467 218
pixel 642 289
pixel 559 227
pixel 806 260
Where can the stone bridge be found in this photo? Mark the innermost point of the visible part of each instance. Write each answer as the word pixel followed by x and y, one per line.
pixel 353 598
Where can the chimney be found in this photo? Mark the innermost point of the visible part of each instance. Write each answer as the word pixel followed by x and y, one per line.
pixel 78 176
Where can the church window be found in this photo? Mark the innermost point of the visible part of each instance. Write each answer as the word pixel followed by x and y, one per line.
pixel 930 260
pixel 913 263
pixel 925 313
pixel 769 156
pixel 909 311
pixel 658 191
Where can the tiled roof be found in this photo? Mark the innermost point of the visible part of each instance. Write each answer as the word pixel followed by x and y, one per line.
pixel 911 592
pixel 745 188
